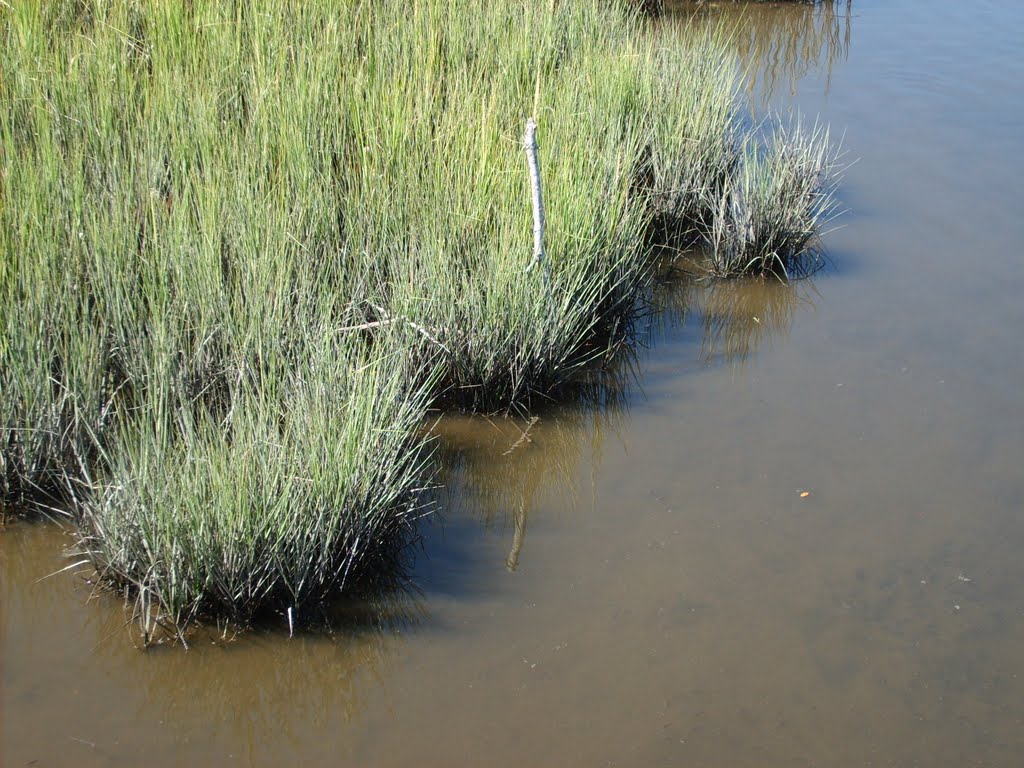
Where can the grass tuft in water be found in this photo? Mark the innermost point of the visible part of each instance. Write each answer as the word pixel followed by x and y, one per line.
pixel 772 206
pixel 278 506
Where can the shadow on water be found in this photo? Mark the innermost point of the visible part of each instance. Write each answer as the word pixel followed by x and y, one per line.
pixel 497 471
pixel 738 316
pixel 495 468
pixel 778 44
pixel 725 321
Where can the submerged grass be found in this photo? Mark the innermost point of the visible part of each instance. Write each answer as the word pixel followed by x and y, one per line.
pixel 245 245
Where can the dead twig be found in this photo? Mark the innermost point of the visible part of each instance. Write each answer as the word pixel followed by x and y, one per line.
pixel 428 334
pixel 524 437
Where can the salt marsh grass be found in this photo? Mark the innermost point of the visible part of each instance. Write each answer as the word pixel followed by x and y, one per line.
pixel 245 245
pixel 295 497
pixel 772 207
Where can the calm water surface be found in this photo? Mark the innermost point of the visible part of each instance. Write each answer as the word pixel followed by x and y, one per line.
pixel 646 583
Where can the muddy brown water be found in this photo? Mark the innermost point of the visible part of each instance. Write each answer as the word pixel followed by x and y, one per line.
pixel 645 583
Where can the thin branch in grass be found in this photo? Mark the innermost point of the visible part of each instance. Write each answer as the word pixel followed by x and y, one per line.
pixel 365 326
pixel 429 335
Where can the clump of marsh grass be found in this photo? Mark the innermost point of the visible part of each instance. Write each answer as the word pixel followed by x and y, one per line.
pixel 292 499
pixel 772 206
pixel 758 195
pixel 242 248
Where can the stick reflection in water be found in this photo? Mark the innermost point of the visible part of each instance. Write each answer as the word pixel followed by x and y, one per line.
pixel 496 469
